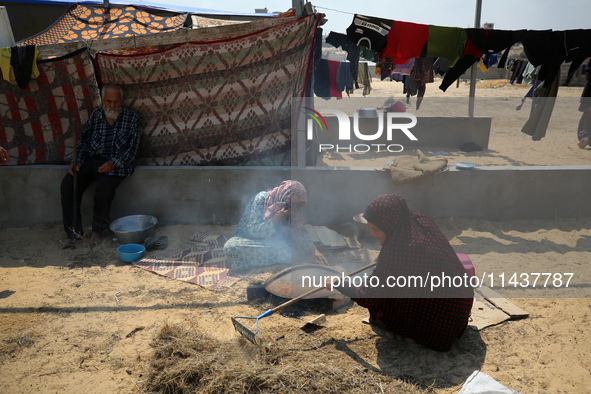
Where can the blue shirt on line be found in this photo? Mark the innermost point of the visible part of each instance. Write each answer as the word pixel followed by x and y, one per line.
pixel 118 142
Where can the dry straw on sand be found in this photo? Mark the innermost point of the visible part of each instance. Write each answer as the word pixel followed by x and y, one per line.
pixel 186 361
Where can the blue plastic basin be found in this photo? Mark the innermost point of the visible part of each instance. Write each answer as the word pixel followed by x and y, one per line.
pixel 131 252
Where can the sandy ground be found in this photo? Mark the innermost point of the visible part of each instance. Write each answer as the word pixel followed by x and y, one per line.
pixel 81 320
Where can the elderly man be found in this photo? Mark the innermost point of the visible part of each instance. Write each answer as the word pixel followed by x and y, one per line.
pixel 106 153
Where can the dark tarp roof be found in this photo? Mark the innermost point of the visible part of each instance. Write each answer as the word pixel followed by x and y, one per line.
pixel 81 23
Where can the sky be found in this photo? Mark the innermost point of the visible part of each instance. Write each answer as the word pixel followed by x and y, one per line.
pixel 505 14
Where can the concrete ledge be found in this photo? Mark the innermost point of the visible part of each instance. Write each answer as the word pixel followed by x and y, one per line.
pixel 200 195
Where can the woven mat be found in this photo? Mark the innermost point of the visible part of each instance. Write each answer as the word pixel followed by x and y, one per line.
pixel 202 262
pixel 222 102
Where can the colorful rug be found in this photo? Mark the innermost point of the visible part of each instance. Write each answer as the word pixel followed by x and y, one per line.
pixel 221 102
pixel 37 123
pixel 84 23
pixel 202 263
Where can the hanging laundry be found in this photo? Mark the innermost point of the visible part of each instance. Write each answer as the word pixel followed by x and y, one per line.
pixel 549 50
pixel 441 66
pixel 446 42
pixel 530 74
pixel 537 123
pixel 364 78
pixel 333 67
pixel 491 59
pixel 340 40
pixel 422 73
pixel 486 42
pixel 469 57
pixel 483 66
pixel 584 129
pixel 586 95
pixel 489 41
pixel 406 40
pixel 316 56
pixel 518 68
pixel 7 71
pixel 317 52
pixel 385 67
pixel 344 79
pixel 409 87
pixel 322 80
pixel 19 63
pixel 23 60
pixel 368 54
pixel 572 72
pixel 404 69
pixel 369 31
pixel 531 93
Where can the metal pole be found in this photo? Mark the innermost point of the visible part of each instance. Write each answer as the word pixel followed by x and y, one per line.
pixel 299 7
pixel 300 122
pixel 473 69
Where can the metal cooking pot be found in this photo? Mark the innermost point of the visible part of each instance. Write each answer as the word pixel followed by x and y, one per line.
pixel 134 229
pixel 367 112
pixel 363 232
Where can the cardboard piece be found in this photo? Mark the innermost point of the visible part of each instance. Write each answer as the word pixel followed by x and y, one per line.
pixel 490 308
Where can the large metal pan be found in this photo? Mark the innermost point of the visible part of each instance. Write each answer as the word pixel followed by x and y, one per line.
pixel 292 282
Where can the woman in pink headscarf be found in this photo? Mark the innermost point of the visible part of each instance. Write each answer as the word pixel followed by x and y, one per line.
pixel 271 226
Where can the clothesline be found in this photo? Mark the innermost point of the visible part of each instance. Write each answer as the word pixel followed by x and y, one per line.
pixel 401 41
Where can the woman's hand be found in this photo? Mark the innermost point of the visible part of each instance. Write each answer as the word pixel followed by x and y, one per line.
pixel 281 215
pixel 319 257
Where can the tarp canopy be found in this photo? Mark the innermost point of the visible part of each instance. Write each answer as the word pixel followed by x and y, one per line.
pixel 146 5
pixel 82 22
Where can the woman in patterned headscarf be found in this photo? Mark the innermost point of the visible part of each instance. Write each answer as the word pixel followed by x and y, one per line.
pixel 413 247
pixel 272 221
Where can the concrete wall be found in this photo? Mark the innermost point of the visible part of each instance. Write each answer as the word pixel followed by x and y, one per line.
pixel 435 131
pixel 193 195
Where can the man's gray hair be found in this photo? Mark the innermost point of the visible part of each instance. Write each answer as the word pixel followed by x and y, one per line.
pixel 104 90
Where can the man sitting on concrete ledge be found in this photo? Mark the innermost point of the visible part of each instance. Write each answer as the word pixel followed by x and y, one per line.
pixel 106 153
